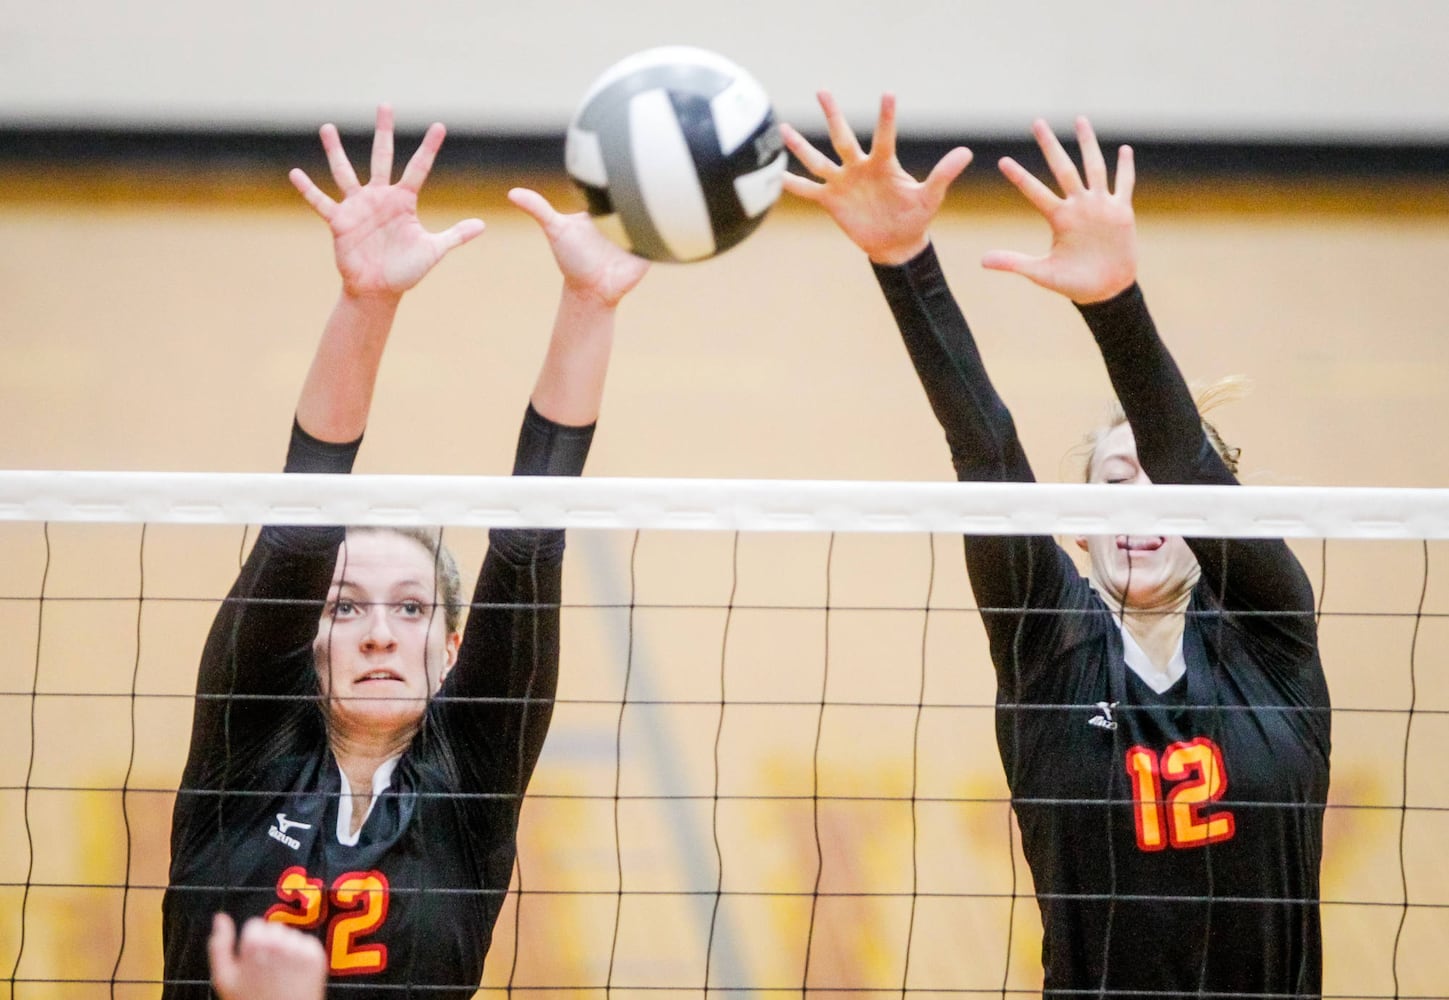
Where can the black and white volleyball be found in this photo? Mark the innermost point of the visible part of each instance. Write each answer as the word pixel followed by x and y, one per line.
pixel 677 153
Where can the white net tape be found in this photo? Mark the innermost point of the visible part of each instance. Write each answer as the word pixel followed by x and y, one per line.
pixel 726 504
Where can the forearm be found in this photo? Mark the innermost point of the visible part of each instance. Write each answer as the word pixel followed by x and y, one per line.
pixel 337 393
pixel 1005 571
pixel 273 608
pixel 256 667
pixel 260 640
pixel 570 386
pixel 1154 395
pixel 978 426
pixel 507 669
pixel 498 698
pixel 1250 573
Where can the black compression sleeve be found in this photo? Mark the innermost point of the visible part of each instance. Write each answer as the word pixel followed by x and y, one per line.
pixel 1259 574
pixel 308 454
pixel 978 426
pixel 1007 572
pixel 1155 397
pixel 545 448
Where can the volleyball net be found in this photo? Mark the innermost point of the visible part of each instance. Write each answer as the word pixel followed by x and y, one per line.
pixel 772 766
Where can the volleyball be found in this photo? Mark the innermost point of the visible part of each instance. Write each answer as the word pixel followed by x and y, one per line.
pixel 677 153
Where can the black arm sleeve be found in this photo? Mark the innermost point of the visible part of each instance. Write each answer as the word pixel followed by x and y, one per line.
pixel 1006 573
pixel 256 686
pixel 499 696
pixel 1245 574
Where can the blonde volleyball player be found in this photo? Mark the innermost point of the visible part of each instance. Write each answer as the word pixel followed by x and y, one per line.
pixel 1168 763
pixel 358 757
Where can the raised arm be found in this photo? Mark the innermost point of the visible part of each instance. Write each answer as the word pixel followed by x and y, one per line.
pixel 260 642
pixel 1093 261
pixel 887 214
pixel 509 654
pixel 382 251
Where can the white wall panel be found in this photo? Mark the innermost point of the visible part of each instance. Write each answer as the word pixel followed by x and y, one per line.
pixel 1263 68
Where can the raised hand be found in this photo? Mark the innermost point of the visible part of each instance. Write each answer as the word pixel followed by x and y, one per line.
pixel 273 962
pixel 1093 255
pixel 381 247
pixel 883 209
pixel 592 265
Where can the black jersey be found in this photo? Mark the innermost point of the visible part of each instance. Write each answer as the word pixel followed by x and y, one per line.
pixel 255 829
pixel 1175 838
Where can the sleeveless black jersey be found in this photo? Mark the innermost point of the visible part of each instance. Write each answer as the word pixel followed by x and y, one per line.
pixel 1174 839
pixel 255 826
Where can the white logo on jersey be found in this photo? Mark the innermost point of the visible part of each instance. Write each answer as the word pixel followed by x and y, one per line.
pixel 279 831
pixel 1104 721
pixel 284 824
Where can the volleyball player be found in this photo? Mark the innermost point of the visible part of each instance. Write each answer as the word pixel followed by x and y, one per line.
pixel 357 762
pixel 1163 721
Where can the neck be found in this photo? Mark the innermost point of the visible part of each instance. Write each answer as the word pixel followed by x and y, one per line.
pixel 1157 632
pixel 359 756
pixel 1157 627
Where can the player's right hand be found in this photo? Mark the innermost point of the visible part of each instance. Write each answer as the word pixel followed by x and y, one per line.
pixel 380 245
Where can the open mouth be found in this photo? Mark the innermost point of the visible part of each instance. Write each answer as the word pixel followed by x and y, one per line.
pixel 1134 543
pixel 374 676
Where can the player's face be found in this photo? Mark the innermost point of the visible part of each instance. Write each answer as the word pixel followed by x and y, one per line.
pixel 1144 572
pixel 382 645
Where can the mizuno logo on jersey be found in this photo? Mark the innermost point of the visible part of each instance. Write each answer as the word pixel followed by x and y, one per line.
pixel 279 831
pixel 284 824
pixel 1105 720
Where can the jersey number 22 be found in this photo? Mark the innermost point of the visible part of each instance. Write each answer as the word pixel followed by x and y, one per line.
pixel 358 901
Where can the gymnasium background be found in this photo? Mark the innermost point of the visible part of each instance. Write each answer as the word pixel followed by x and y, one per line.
pixel 161 287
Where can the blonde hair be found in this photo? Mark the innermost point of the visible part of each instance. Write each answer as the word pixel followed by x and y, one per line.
pixel 1205 398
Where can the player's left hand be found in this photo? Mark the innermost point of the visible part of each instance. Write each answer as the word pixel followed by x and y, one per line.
pixel 272 962
pixel 380 246
pixel 592 265
pixel 1093 255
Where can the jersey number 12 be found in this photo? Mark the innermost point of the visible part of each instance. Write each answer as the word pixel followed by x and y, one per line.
pixel 1181 819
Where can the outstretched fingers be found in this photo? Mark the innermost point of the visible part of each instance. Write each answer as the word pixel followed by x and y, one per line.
pixel 842 136
pixel 945 172
pixel 1126 173
pixel 382 142
pixel 1014 262
pixel 802 187
pixel 591 265
pixel 457 234
pixel 1093 252
pixel 1094 165
pixel 1060 164
pixel 314 196
pixel 1042 198
pixel 537 206
pixel 810 158
pixel 337 161
pixel 421 164
pixel 883 143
